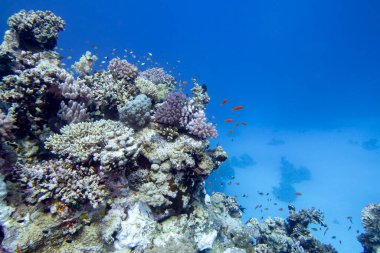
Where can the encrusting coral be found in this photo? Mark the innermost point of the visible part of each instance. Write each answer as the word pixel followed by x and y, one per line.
pixel 113 160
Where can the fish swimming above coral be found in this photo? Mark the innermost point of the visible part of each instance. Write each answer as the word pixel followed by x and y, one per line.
pixel 114 160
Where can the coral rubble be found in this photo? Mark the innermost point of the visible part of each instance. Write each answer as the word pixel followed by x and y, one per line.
pixel 114 160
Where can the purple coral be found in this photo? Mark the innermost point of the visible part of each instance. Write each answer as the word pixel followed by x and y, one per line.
pixel 157 76
pixel 199 127
pixel 170 111
pixel 178 111
pixel 123 70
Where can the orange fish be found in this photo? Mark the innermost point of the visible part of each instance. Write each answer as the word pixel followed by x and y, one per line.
pixel 224 101
pixel 298 193
pixel 184 82
pixel 231 131
pixel 237 124
pixel 237 108
pixel 244 123
pixel 228 120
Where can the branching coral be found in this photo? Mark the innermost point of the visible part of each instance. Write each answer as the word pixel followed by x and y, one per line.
pixel 60 180
pixel 157 76
pixel 84 66
pixel 106 141
pixel 36 29
pixel 179 111
pixel 371 222
pixel 122 70
pixel 170 111
pixel 157 92
pixel 74 112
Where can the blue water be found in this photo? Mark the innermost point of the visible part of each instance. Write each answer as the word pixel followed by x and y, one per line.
pixel 306 72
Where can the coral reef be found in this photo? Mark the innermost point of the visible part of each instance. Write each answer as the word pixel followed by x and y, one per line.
pixel 290 235
pixel 371 223
pixel 114 160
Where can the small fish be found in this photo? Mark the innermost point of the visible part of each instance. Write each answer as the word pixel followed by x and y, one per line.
pixel 237 183
pixel 325 231
pixel 357 231
pixel 237 108
pixel 210 183
pixel 95 47
pixel 275 203
pixel 143 63
pixel 231 131
pixel 106 58
pixel 150 54
pixel 224 101
pixel 298 193
pixel 229 183
pixel 178 61
pixel 228 120
pixel 69 57
pixel 315 229
pixel 281 209
pixel 349 218
pixel 333 237
pixel 261 193
pixel 244 123
pixel 184 82
pixel 237 124
pixel 266 209
pixel 257 206
pixel 340 242
pixel 103 62
pixel 349 228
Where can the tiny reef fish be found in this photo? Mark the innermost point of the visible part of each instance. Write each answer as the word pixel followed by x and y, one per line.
pixel 224 101
pixel 228 120
pixel 237 108
pixel 244 123
pixel 298 193
pixel 231 131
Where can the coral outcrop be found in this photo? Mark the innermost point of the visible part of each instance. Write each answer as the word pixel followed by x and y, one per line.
pixel 114 160
pixel 371 223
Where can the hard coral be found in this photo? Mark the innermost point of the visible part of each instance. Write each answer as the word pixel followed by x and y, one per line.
pixel 122 70
pixel 157 76
pixel 136 113
pixel 36 29
pixel 106 141
pixel 63 181
pixel 371 222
